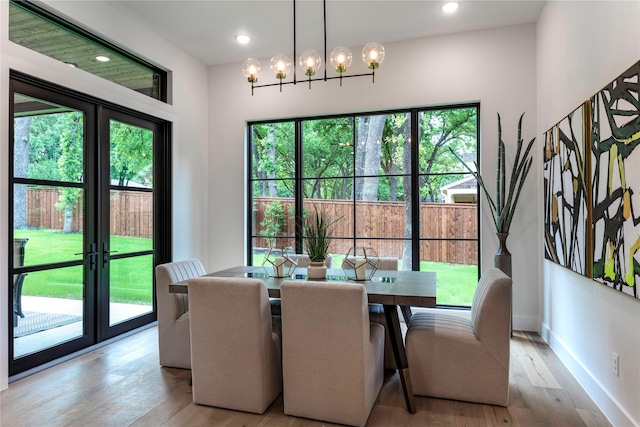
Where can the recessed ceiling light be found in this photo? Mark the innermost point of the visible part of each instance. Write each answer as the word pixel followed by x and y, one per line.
pixel 450 7
pixel 243 38
pixel 103 58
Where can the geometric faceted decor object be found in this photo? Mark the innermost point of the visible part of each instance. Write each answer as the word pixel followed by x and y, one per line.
pixel 592 186
pixel 360 263
pixel 615 135
pixel 566 192
pixel 280 262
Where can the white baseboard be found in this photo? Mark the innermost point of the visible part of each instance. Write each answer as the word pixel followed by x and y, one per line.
pixel 609 406
pixel 529 324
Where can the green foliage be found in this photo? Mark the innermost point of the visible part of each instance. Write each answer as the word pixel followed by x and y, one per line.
pixel 455 129
pixel 328 154
pixel 273 157
pixel 70 162
pixel 45 169
pixel 56 153
pixel 504 206
pixel 274 221
pixel 56 144
pixel 131 157
pixel 317 234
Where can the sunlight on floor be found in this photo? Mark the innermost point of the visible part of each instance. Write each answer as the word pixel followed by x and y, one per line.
pixel 41 340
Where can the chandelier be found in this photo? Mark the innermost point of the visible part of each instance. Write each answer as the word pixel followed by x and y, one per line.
pixel 310 62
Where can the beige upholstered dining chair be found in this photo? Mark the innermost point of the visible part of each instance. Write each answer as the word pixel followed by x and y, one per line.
pixel 332 354
pixel 235 344
pixel 173 313
pixel 465 357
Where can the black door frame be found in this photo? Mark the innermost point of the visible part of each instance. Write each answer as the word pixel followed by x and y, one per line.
pixel 95 329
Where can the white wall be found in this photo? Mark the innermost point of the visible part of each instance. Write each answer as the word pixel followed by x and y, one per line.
pixel 547 70
pixel 582 46
pixel 495 67
pixel 188 113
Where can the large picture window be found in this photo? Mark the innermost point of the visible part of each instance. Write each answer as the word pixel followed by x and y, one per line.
pixel 411 201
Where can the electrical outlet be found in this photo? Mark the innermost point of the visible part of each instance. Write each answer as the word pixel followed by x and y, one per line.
pixel 615 363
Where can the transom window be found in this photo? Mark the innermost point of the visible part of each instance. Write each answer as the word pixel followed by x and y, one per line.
pixel 39 30
pixel 410 201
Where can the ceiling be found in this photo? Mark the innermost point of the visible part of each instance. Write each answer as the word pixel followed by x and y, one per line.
pixel 206 28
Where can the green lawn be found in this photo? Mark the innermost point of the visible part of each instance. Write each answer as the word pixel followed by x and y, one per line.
pixel 456 283
pixel 131 278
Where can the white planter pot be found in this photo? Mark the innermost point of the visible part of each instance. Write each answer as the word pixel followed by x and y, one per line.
pixel 317 270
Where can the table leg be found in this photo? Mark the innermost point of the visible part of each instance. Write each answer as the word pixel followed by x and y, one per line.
pixel 406 313
pixel 395 334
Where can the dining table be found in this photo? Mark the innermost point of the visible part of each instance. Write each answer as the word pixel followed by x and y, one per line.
pixel 391 288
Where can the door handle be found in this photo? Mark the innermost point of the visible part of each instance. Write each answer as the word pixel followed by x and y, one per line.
pixel 92 254
pixel 105 254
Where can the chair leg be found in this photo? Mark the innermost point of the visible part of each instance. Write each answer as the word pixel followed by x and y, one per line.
pixel 17 295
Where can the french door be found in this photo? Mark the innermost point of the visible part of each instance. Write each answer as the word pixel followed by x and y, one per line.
pixel 90 219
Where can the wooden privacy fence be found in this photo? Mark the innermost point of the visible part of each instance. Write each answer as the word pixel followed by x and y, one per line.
pixel 131 213
pixel 379 219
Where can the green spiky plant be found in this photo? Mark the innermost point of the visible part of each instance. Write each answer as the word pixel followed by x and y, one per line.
pixel 504 206
pixel 317 234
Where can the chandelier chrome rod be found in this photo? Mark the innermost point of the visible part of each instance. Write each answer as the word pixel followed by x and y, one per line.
pixel 295 56
pixel 324 7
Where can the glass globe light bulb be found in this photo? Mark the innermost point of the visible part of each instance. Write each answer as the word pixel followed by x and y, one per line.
pixel 251 68
pixel 281 65
pixel 310 62
pixel 341 59
pixel 373 55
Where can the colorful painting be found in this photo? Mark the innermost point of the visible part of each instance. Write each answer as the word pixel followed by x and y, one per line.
pixel 566 193
pixel 615 135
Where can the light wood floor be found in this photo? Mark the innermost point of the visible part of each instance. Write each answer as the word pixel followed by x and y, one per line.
pixel 122 385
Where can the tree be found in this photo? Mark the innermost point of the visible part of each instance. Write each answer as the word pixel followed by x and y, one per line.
pixel 328 156
pixel 131 153
pixel 394 137
pixel 439 129
pixel 44 146
pixel 71 164
pixel 372 157
pixel 20 168
pixel 271 152
pixel 273 158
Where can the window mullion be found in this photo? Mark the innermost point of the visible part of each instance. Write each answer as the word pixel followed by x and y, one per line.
pixel 298 187
pixel 415 192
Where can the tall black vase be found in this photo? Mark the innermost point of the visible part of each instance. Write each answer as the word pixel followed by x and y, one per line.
pixel 502 258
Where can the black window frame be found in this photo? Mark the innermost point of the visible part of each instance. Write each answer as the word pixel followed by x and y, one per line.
pixel 416 239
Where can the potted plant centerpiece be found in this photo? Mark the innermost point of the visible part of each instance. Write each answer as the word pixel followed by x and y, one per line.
pixel 503 207
pixel 317 237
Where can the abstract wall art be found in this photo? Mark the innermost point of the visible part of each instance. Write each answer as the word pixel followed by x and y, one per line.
pixel 615 137
pixel 591 173
pixel 566 192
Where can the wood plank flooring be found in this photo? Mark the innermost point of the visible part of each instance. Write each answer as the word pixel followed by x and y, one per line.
pixel 122 385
